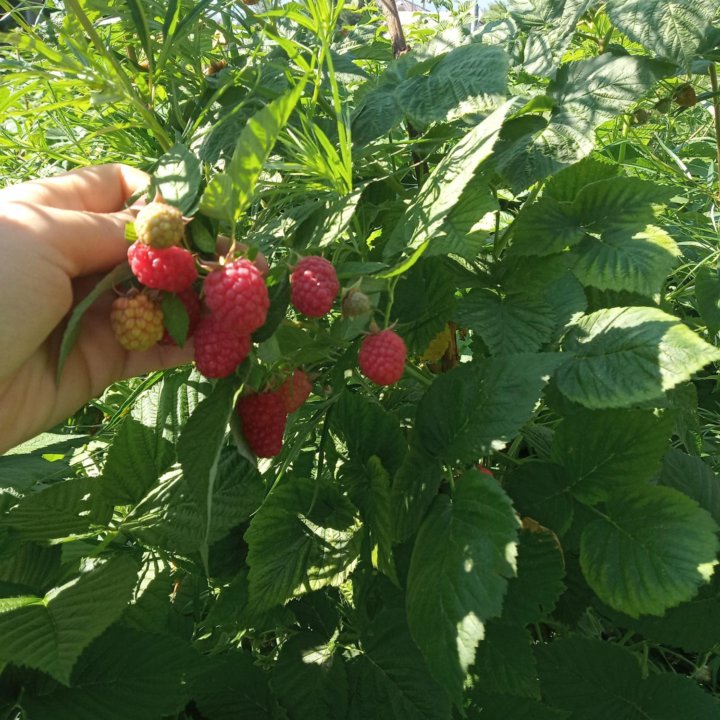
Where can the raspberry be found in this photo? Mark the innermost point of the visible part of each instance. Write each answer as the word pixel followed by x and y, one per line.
pixel 263 418
pixel 218 351
pixel 356 303
pixel 295 390
pixel 172 269
pixel 438 345
pixel 314 285
pixel 189 298
pixel 237 295
pixel 137 322
pixel 382 357
pixel 159 225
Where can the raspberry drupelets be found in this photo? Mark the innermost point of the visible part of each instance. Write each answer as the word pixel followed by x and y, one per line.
pixel 218 351
pixel 295 390
pixel 137 322
pixel 159 225
pixel 172 269
pixel 382 357
pixel 314 286
pixel 237 296
pixel 263 417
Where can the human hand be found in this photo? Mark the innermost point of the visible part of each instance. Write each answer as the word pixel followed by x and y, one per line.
pixel 58 236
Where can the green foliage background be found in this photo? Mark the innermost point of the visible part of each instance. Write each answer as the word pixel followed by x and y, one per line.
pixel 532 180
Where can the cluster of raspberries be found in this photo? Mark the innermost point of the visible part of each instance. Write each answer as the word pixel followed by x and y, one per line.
pixel 234 304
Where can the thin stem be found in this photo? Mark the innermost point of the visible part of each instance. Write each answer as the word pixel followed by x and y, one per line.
pixel 145 113
pixel 716 113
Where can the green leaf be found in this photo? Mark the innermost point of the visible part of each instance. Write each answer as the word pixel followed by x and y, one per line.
pixel 707 294
pixel 58 511
pixel 413 491
pixel 596 680
pixel 123 674
pixel 121 273
pixel 567 184
pixel 199 449
pixel 507 324
pixel 50 633
pixel 693 477
pixel 378 114
pixel 504 662
pixel 533 593
pixel 230 686
pixel 170 516
pixel 390 678
pixel 141 28
pixel 551 26
pixel 305 536
pixel 145 445
pixel 469 79
pixel 424 302
pixel 591 678
pixel 31 569
pixel 368 431
pixel 336 220
pixel 177 178
pixel 623 356
pixel 651 549
pixel 463 555
pixel 540 490
pixel 474 409
pixel 620 260
pixel 175 318
pixel 369 489
pixel 586 94
pixel 442 190
pixel 692 625
pixel 229 194
pixel 606 451
pixel 672 29
pixel 309 678
pixel 501 707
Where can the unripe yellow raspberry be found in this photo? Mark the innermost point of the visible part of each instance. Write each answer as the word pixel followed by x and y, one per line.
pixel 159 225
pixel 137 322
pixel 438 345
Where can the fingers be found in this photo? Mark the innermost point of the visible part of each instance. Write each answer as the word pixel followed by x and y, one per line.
pixel 80 243
pixel 98 189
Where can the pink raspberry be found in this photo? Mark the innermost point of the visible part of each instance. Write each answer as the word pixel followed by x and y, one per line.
pixel 137 322
pixel 295 390
pixel 218 351
pixel 171 269
pixel 237 295
pixel 189 298
pixel 263 418
pixel 313 286
pixel 382 357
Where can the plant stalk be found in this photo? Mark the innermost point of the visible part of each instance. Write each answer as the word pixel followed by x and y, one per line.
pixel 716 114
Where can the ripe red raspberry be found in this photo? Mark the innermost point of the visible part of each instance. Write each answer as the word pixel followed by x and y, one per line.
pixel 189 298
pixel 172 269
pixel 263 418
pixel 295 390
pixel 237 295
pixel 137 322
pixel 218 351
pixel 314 286
pixel 159 225
pixel 382 357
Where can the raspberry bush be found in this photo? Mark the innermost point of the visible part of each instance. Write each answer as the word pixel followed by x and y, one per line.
pixel 449 446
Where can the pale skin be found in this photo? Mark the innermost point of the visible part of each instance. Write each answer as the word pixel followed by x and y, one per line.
pixel 58 236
